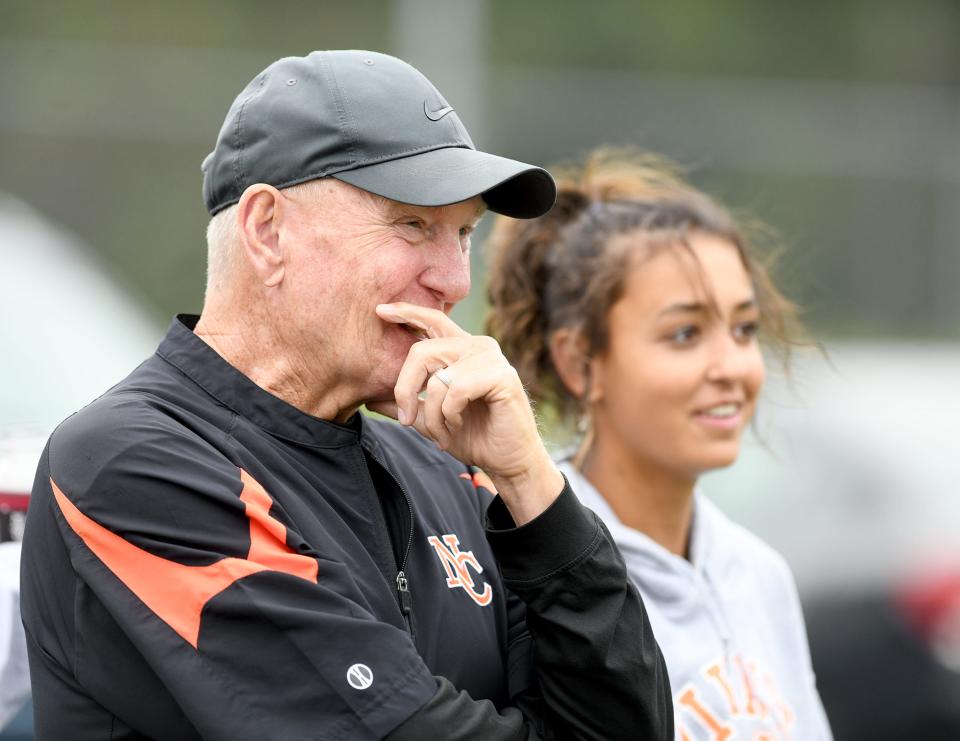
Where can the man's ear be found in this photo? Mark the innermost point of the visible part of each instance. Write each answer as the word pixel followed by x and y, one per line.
pixel 571 358
pixel 258 217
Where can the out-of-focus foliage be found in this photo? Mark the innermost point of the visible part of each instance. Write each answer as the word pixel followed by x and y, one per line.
pixel 879 40
pixel 295 25
pixel 834 121
pixel 110 107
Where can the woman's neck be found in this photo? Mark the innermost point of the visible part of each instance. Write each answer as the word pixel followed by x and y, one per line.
pixel 644 496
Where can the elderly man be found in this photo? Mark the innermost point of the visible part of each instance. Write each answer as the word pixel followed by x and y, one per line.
pixel 221 547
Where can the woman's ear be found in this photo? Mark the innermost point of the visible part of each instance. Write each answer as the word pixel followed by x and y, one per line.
pixel 571 358
pixel 258 215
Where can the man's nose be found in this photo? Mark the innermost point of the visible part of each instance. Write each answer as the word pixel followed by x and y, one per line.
pixel 448 273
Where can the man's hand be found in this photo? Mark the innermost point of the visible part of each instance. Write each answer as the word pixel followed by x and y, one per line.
pixel 476 408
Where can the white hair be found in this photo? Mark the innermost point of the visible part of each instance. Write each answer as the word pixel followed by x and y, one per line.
pixel 223 233
pixel 223 249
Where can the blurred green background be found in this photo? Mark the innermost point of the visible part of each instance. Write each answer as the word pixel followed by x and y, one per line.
pixel 836 122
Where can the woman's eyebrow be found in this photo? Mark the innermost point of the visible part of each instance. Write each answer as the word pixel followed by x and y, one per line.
pixel 694 308
pixel 699 307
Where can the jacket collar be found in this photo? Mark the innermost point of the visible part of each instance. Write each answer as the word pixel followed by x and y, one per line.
pixel 204 366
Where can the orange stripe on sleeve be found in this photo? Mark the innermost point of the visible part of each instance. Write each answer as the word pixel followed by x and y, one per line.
pixel 177 593
pixel 268 536
pixel 480 479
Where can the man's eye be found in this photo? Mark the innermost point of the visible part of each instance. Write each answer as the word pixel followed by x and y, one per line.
pixel 415 223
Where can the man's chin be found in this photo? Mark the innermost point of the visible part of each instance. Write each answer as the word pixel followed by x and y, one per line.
pixel 395 351
pixel 384 367
pixel 383 380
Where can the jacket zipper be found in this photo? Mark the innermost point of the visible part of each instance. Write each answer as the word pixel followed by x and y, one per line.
pixel 404 597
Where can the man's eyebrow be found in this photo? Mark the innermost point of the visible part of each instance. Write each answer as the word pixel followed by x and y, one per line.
pixel 396 208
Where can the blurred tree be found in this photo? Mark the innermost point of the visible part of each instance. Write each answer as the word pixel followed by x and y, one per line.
pixel 835 121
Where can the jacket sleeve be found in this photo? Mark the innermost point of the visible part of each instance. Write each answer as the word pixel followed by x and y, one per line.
pixel 193 583
pixel 187 574
pixel 599 671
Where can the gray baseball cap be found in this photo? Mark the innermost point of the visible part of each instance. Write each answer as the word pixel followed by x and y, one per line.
pixel 367 119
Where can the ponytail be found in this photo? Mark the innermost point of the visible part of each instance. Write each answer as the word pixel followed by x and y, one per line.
pixel 567 269
pixel 520 271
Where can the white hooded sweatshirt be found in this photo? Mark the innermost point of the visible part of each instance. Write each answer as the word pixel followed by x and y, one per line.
pixel 729 624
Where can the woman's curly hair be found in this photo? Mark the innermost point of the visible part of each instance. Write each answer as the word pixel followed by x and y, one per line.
pixel 568 268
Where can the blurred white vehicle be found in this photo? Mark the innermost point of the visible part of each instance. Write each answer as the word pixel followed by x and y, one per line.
pixel 856 483
pixel 68 333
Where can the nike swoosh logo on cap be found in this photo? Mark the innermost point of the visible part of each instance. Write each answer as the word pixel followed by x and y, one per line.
pixel 437 114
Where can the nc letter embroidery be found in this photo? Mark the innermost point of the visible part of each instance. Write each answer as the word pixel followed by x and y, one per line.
pixel 455 562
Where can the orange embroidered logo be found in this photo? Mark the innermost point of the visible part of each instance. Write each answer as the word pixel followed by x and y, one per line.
pixel 455 563
pixel 728 701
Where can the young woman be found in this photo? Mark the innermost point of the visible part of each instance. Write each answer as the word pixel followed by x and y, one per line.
pixel 635 308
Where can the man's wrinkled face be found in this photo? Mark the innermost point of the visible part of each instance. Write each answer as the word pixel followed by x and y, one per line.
pixel 347 251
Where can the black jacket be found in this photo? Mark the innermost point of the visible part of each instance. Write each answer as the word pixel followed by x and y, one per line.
pixel 203 560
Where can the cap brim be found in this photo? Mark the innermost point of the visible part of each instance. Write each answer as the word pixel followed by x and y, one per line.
pixel 444 176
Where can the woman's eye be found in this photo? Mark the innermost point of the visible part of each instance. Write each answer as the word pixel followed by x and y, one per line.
pixel 684 335
pixel 746 330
